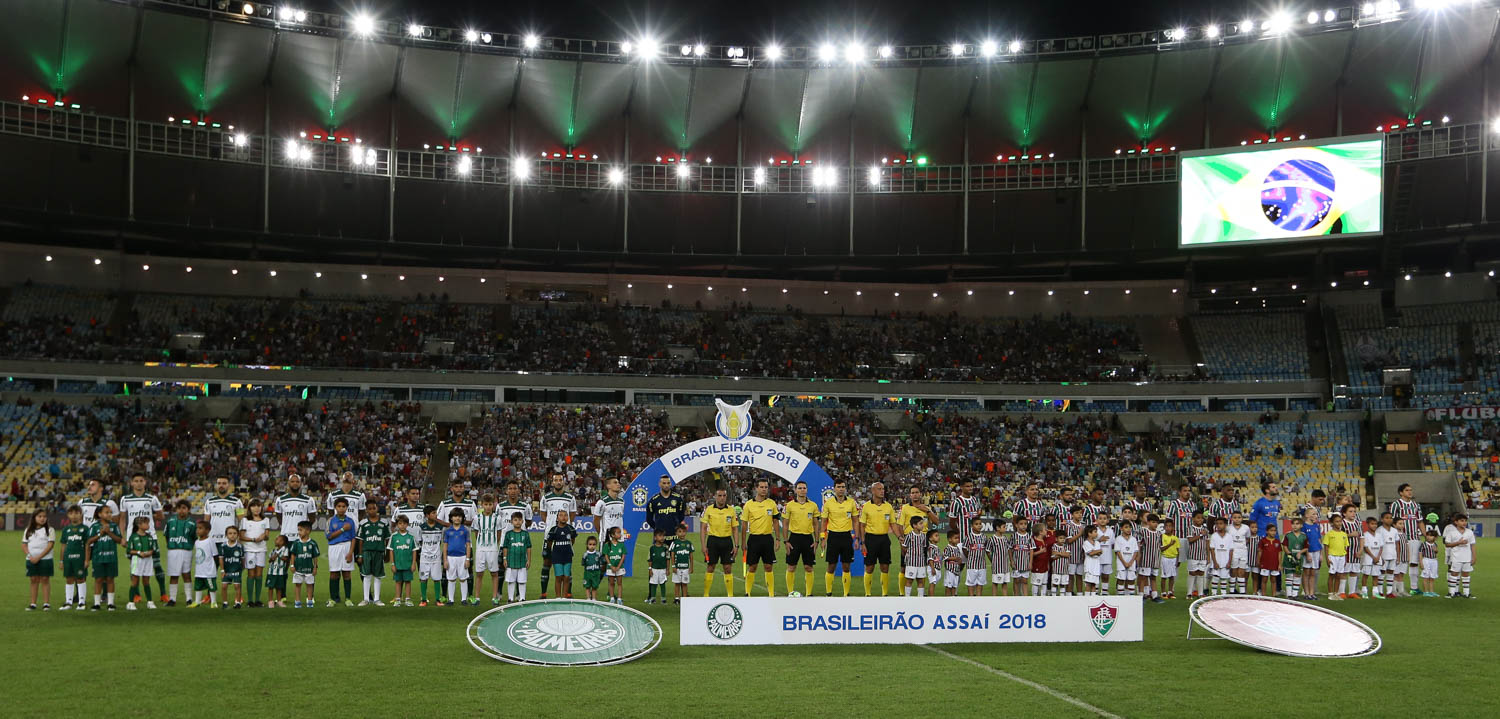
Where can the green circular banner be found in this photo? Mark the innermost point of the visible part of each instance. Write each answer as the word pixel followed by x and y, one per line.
pixel 564 632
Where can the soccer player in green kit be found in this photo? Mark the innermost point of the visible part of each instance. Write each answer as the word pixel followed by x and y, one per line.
pixel 369 552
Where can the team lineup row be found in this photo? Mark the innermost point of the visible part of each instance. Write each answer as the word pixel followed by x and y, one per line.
pixel 1063 548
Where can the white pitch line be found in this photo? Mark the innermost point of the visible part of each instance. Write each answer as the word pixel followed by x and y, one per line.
pixel 1049 691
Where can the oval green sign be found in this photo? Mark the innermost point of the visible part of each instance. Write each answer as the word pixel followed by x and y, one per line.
pixel 564 632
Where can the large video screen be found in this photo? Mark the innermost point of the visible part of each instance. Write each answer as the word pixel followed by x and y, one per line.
pixel 1273 193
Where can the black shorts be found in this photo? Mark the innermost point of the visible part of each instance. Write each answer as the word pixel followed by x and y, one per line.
pixel 801 551
pixel 877 550
pixel 720 550
pixel 840 548
pixel 760 549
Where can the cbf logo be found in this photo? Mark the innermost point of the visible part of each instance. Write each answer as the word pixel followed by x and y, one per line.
pixel 566 632
pixel 639 496
pixel 1102 617
pixel 733 420
pixel 725 621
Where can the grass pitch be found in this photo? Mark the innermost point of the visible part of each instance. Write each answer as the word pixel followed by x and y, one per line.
pixel 1439 656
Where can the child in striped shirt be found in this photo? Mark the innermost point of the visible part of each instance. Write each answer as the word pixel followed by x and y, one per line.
pixel 953 562
pixel 999 546
pixel 975 549
pixel 276 566
pixel 1252 557
pixel 934 561
pixel 1020 556
pixel 1148 568
pixel 914 558
pixel 1429 554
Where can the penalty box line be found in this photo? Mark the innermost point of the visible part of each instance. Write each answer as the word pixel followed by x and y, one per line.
pixel 1049 691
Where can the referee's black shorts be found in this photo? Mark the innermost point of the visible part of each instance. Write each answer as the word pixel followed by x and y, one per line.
pixel 760 549
pixel 801 550
pixel 877 549
pixel 720 550
pixel 840 548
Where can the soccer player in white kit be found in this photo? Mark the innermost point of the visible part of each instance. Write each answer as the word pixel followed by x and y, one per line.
pixel 1462 555
pixel 293 507
pixel 609 511
pixel 556 500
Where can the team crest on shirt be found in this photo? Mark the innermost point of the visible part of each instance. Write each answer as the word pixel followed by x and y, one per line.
pixel 733 420
pixel 827 494
pixel 639 496
pixel 1102 617
pixel 1277 625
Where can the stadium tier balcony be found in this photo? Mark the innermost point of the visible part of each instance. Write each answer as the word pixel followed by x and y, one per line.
pixel 1303 456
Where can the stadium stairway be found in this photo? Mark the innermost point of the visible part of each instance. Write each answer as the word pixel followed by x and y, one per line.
pixel 1169 341
pixel 1338 365
pixel 1466 357
pixel 1318 357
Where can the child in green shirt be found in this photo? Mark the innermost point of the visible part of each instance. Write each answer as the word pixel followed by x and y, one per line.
pixel 659 558
pixel 232 558
pixel 182 532
pixel 614 565
pixel 1295 543
pixel 276 566
pixel 517 543
pixel 74 538
pixel 370 544
pixel 593 568
pixel 142 549
pixel 682 563
pixel 401 552
pixel 305 553
pixel 102 551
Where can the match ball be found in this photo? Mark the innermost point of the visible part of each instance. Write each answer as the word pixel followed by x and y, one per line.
pixel 794 594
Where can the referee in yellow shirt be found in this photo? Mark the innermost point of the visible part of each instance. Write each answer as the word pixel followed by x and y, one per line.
pixel 802 524
pixel 874 533
pixel 716 531
pixel 762 522
pixel 838 519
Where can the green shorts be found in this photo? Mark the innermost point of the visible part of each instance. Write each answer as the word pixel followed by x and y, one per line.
pixel 562 570
pixel 592 578
pixel 402 575
pixel 40 568
pixel 74 569
pixel 205 584
pixel 276 581
pixel 372 564
pixel 106 570
pixel 232 577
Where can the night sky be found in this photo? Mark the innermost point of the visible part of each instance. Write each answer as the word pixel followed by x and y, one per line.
pixel 804 22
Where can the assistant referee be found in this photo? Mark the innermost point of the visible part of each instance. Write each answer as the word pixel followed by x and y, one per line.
pixel 802 525
pixel 874 533
pixel 716 532
pixel 838 519
pixel 761 520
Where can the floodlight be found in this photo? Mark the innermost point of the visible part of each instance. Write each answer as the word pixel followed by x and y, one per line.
pixel 1278 23
pixel 1212 31
pixel 827 52
pixel 1015 46
pixel 886 51
pixel 471 35
pixel 364 25
pixel 616 176
pixel 485 38
pixel 686 50
pixel 1329 15
pixel 854 52
pixel 649 47
pixel 773 52
pixel 285 13
pixel 760 175
pixel 531 41
pixel 240 140
pixel 682 171
pixel 957 49
pixel 988 48
pixel 247 9
pixel 1312 17
pixel 414 30
pixel 301 16
pixel 875 176
pixel 627 47
pixel 700 50
pixel 520 170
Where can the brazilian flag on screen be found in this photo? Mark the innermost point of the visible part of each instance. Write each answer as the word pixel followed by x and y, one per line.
pixel 1281 193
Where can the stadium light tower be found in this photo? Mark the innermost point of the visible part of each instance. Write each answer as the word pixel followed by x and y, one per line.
pixel 414 30
pixel 1211 32
pixel 364 25
pixel 957 49
pixel 827 52
pixel 1015 46
pixel 773 52
pixel 471 35
pixel 886 51
pixel 988 48
pixel 531 41
pixel 854 53
pixel 683 171
pixel 519 169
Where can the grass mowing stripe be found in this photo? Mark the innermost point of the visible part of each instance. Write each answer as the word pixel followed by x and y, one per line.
pixel 1049 691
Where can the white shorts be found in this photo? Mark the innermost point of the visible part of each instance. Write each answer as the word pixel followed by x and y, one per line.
pixel 950 580
pixel 1075 569
pixel 1413 551
pixel 1060 580
pixel 1239 563
pixel 1038 579
pixel 934 574
pixel 457 568
pixel 916 572
pixel 1169 567
pixel 1197 565
pixel 255 560
pixel 1460 567
pixel 1270 572
pixel 1313 560
pixel 615 572
pixel 999 577
pixel 1429 569
pixel 517 576
pixel 1222 573
pixel 179 562
pixel 142 566
pixel 1091 579
pixel 1020 576
pixel 486 560
pixel 1336 565
pixel 1125 575
pixel 340 557
pixel 1106 568
pixel 973 577
pixel 1146 571
pixel 1392 565
pixel 304 578
pixel 658 576
pixel 1370 570
pixel 430 568
pixel 683 576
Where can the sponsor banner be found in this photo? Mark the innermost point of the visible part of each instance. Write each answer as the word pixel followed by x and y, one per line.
pixel 1442 413
pixel 564 632
pixel 909 620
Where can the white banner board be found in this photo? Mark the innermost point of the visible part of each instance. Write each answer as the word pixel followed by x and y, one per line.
pixel 909 620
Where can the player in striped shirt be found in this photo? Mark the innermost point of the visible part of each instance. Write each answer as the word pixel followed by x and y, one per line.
pixel 1149 567
pixel 1063 508
pixel 515 503
pixel 1030 507
pixel 1140 502
pixel 1094 507
pixel 1225 505
pixel 914 557
pixel 1352 557
pixel 348 491
pixel 934 562
pixel 488 526
pixel 1179 511
pixel 1408 514
pixel 1021 550
pixel 975 551
pixel 963 509
pixel 93 500
pixel 1196 541
pixel 999 547
pixel 292 508
pixel 1071 537
pixel 140 504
